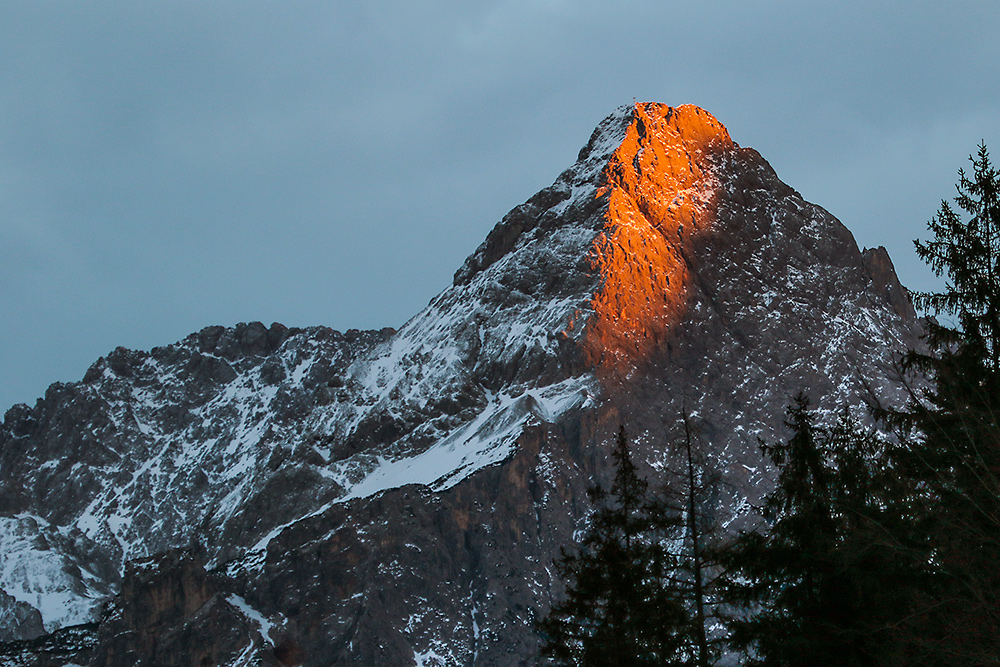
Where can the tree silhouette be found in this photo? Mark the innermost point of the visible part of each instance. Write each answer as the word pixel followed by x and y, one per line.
pixel 951 428
pixel 622 606
pixel 825 584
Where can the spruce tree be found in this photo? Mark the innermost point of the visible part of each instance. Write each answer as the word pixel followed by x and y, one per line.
pixel 778 572
pixel 621 607
pixel 953 451
pixel 967 254
pixel 824 584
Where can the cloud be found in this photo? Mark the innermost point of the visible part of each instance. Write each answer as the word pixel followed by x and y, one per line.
pixel 176 165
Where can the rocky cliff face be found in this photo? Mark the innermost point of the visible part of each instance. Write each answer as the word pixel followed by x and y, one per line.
pixel 398 497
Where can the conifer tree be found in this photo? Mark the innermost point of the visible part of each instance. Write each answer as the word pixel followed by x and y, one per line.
pixel 967 254
pixel 953 438
pixel 696 561
pixel 621 606
pixel 690 492
pixel 823 585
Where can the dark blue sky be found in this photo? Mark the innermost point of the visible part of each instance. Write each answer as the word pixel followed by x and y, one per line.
pixel 168 166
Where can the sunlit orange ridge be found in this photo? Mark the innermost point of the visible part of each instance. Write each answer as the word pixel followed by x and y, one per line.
pixel 661 195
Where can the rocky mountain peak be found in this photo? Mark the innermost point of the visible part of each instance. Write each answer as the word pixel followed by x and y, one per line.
pixel 398 497
pixel 661 190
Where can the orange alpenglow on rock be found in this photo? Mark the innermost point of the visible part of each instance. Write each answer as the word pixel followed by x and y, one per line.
pixel 661 194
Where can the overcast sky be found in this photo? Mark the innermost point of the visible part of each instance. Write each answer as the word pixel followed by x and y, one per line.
pixel 173 165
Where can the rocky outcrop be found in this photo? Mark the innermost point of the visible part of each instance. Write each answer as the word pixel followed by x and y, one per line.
pixel 172 613
pixel 19 620
pixel 71 645
pixel 398 497
pixel 153 449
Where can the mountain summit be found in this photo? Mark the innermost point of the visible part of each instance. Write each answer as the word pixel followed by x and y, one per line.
pixel 661 197
pixel 650 167
pixel 305 496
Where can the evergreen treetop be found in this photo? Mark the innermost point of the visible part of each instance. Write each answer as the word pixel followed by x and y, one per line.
pixel 967 254
pixel 824 584
pixel 621 607
pixel 952 445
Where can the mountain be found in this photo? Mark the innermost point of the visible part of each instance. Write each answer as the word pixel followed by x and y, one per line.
pixel 271 495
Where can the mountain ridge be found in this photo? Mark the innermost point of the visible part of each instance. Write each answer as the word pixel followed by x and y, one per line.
pixel 668 271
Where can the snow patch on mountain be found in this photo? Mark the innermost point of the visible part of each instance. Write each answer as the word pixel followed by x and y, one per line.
pixel 487 440
pixel 34 570
pixel 263 625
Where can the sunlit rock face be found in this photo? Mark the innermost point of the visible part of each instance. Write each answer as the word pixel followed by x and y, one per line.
pixel 662 194
pixel 398 497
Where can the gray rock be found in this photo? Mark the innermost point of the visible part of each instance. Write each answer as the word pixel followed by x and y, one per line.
pixel 18 620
